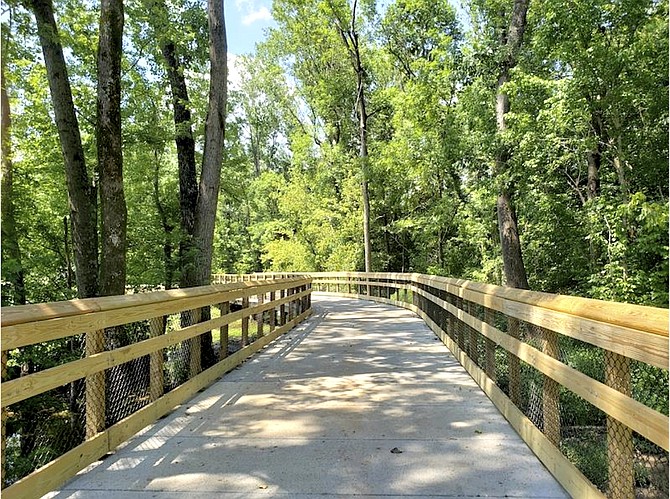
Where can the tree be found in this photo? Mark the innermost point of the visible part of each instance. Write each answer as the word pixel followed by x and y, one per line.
pixel 81 191
pixel 11 258
pixel 210 177
pixel 110 152
pixel 510 43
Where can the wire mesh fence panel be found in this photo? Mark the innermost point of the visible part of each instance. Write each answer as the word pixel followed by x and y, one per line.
pixel 42 428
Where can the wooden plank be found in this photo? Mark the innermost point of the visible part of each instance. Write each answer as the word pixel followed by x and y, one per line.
pixel 620 449
pixel 245 322
pixel 18 330
pixel 156 377
pixel 95 387
pixel 635 317
pixel 645 346
pixel 25 387
pixel 551 409
pixel 223 331
pixel 642 419
pixel 54 474
pixel 651 319
pixel 43 311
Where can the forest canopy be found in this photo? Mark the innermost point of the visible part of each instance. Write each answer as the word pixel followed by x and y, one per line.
pixel 508 141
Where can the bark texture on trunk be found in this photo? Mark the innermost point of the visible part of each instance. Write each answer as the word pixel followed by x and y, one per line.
pixel 110 155
pixel 210 178
pixel 515 271
pixel 11 251
pixel 81 192
pixel 188 180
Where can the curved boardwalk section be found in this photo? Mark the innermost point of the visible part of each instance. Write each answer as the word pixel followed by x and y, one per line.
pixel 361 400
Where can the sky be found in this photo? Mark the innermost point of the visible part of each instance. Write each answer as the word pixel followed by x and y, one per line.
pixel 246 23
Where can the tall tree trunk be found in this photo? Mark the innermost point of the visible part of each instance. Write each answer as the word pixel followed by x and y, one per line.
pixel 350 39
pixel 110 156
pixel 365 194
pixel 515 271
pixel 210 178
pixel 81 192
pixel 594 157
pixel 188 181
pixel 11 251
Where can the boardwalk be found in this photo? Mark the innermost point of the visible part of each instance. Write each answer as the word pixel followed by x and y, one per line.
pixel 361 400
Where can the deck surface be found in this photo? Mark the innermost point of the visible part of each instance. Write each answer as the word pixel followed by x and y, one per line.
pixel 361 400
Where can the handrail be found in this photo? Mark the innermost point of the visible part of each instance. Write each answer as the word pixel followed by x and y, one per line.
pixel 531 336
pixel 144 354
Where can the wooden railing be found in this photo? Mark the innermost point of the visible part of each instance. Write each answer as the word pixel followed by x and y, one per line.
pixel 580 380
pixel 132 359
pixel 584 382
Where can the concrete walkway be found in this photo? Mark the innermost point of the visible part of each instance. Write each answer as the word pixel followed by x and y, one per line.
pixel 361 400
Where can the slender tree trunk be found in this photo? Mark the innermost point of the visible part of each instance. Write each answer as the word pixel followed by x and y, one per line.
pixel 110 157
pixel 11 251
pixel 208 191
pixel 515 271
pixel 363 154
pixel 81 192
pixel 594 158
pixel 188 181
pixel 350 39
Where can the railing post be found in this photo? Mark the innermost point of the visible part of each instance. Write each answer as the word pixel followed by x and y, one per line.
pixel 95 387
pixel 259 316
pixel 245 322
pixel 489 318
pixel 273 312
pixel 195 365
pixel 473 351
pixel 452 322
pixel 291 304
pixel 282 308
pixel 156 328
pixel 620 455
pixel 223 331
pixel 514 364
pixel 459 325
pixel 551 410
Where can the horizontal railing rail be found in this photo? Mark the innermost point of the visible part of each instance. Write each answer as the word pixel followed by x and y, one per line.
pixel 584 382
pixel 81 377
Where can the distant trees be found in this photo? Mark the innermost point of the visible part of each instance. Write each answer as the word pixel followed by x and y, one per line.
pixel 542 135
